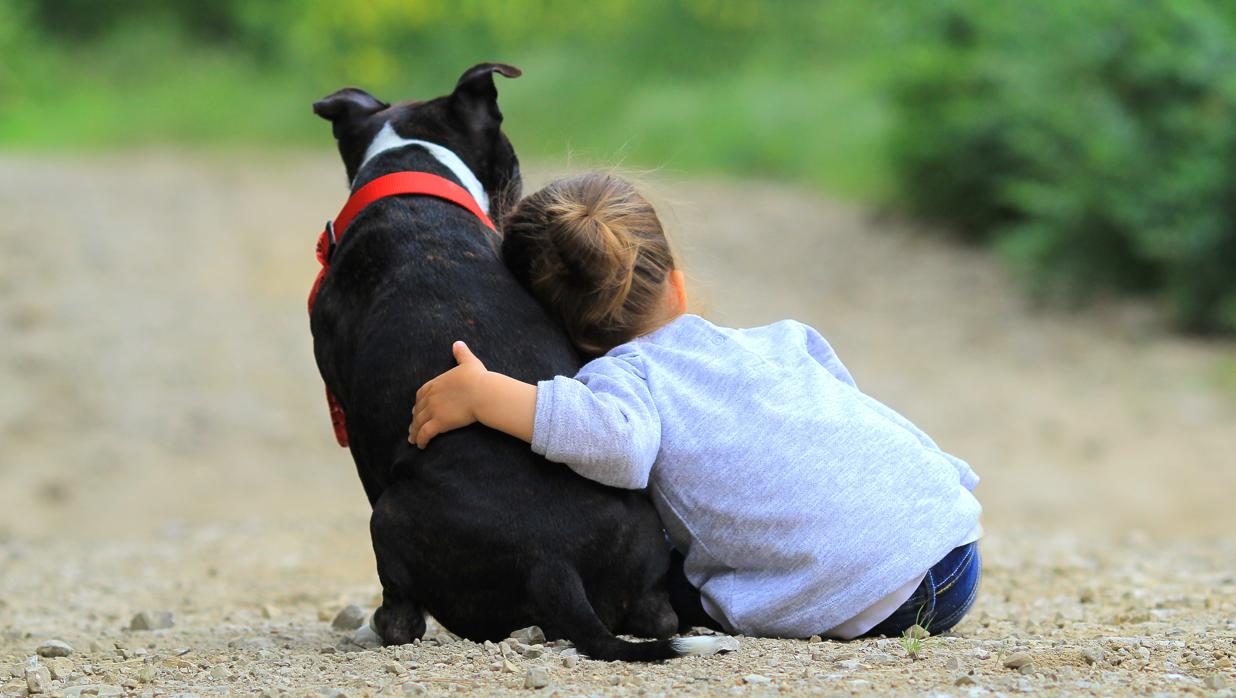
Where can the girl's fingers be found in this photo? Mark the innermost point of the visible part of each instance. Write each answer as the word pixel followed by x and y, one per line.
pixel 463 355
pixel 418 421
pixel 426 433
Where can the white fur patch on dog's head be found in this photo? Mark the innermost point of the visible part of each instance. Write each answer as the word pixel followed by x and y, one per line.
pixel 387 139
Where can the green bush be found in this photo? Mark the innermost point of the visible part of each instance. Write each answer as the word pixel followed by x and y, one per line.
pixel 1093 143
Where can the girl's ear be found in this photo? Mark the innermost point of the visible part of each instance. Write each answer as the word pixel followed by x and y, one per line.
pixel 678 291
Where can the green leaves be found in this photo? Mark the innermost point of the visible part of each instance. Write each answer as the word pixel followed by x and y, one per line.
pixel 1091 142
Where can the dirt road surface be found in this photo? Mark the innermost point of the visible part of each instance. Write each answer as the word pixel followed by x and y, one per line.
pixel 166 448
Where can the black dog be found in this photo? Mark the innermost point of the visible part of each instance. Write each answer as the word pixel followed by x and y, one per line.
pixel 476 529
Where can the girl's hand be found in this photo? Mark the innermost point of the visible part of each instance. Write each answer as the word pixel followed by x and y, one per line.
pixel 448 401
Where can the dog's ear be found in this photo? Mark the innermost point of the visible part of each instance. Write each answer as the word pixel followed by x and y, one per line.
pixel 346 104
pixel 475 99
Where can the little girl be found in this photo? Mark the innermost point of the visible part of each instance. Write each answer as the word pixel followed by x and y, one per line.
pixel 801 505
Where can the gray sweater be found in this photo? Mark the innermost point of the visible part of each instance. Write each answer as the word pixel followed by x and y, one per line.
pixel 797 500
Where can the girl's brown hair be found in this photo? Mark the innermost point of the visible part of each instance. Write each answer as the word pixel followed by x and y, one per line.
pixel 592 250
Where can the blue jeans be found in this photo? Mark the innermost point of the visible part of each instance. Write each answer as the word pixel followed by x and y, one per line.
pixel 942 600
pixel 939 602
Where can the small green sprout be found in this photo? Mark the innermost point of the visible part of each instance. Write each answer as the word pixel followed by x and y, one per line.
pixel 915 637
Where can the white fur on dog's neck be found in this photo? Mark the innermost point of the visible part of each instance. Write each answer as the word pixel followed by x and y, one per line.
pixel 387 139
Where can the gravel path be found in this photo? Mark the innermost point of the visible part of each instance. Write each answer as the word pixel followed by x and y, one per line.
pixel 167 449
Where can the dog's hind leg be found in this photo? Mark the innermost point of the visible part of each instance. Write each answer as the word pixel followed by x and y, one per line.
pixel 559 594
pixel 685 598
pixel 400 619
pixel 651 616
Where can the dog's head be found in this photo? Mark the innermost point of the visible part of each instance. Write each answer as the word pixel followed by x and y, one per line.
pixel 466 122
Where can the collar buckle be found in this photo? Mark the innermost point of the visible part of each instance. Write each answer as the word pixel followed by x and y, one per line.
pixel 331 240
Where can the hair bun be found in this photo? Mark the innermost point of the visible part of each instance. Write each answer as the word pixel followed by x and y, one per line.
pixel 592 250
pixel 596 251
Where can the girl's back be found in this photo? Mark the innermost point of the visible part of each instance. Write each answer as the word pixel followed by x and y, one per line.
pixel 797 499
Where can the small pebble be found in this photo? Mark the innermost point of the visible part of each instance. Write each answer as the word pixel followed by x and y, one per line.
pixel 61 668
pixel 393 668
pixel 152 620
pixel 38 678
pixel 531 635
pixel 1026 669
pixel 917 632
pixel 350 618
pixel 570 661
pixel 952 664
pixel 507 651
pixel 849 664
pixel 756 679
pixel 1093 655
pixel 252 644
pixel 366 637
pixel 54 648
pixel 881 658
pixel 537 677
pixel 1214 681
pixel 965 680
pixel 220 673
pixel 1017 660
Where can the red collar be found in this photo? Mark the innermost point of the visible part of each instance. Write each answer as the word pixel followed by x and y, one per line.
pixel 394 184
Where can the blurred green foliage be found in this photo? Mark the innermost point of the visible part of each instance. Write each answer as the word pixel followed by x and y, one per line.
pixel 1090 142
pixel 1093 143
pixel 774 89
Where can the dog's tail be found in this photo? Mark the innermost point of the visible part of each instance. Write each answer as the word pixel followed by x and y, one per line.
pixel 559 592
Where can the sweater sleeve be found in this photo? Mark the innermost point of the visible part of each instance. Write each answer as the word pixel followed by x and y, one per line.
pixel 822 351
pixel 602 423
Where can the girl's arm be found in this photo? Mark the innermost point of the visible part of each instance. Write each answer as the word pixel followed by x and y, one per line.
pixel 468 393
pixel 602 424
